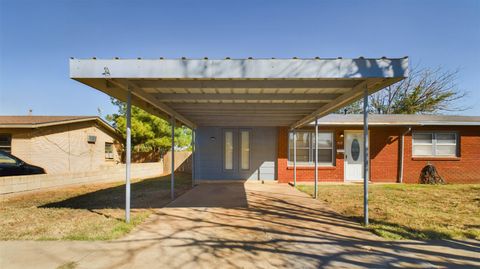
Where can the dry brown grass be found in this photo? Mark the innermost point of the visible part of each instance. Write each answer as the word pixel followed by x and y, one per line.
pixel 411 211
pixel 88 212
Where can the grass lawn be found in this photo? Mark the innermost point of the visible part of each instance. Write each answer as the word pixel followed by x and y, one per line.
pixel 88 212
pixel 409 211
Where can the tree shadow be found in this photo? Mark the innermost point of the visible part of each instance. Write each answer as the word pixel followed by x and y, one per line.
pixel 255 225
pixel 382 227
pixel 294 232
pixel 147 193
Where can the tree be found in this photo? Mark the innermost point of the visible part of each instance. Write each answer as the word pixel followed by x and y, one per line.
pixel 149 133
pixel 425 91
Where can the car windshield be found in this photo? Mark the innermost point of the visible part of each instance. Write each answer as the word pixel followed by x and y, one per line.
pixel 5 159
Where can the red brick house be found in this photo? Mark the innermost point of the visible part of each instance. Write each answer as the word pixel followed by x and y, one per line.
pixel 451 143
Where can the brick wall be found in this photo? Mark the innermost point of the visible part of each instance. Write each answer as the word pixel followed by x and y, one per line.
pixel 63 148
pixel 12 185
pixel 463 169
pixel 385 158
pixel 307 173
pixel 384 153
pixel 19 184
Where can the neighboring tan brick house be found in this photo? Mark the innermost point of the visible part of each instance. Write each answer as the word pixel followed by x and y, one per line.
pixel 451 143
pixel 61 144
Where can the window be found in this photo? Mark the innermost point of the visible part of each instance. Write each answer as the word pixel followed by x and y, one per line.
pixel 6 142
pixel 108 151
pixel 435 144
pixel 228 150
pixel 306 148
pixel 245 150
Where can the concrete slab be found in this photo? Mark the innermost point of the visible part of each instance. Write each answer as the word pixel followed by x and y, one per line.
pixel 247 225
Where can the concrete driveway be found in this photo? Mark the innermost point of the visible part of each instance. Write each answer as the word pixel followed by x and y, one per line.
pixel 248 225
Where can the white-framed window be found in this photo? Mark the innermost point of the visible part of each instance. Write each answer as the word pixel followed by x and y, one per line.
pixel 436 144
pixel 108 150
pixel 306 148
pixel 6 142
pixel 244 149
pixel 228 149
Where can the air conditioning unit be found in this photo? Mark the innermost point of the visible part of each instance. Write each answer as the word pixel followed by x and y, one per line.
pixel 91 139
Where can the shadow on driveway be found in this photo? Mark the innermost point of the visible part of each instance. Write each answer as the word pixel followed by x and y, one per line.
pixel 244 226
pixel 148 193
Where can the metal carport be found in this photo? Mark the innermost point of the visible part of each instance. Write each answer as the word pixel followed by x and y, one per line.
pixel 240 92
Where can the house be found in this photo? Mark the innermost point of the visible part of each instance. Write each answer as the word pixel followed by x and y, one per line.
pixel 60 144
pixel 451 143
pixel 400 146
pixel 241 111
pixel 235 107
pixel 244 112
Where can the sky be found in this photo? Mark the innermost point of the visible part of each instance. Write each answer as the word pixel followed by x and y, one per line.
pixel 38 37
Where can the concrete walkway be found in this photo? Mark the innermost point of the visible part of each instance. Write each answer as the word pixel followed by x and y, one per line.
pixel 243 226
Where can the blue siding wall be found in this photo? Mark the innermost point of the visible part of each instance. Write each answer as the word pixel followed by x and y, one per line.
pixel 209 154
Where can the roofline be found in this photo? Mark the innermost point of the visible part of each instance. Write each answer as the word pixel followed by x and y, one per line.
pixel 437 123
pixel 247 58
pixel 62 122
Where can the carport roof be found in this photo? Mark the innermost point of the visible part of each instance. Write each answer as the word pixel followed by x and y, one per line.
pixel 240 92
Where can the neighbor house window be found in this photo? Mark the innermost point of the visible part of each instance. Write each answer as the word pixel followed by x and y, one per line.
pixel 6 142
pixel 108 151
pixel 228 150
pixel 438 144
pixel 306 148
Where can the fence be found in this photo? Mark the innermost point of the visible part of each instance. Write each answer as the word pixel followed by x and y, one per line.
pixel 12 185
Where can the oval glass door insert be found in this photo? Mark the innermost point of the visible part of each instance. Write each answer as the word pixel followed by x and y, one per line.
pixel 355 148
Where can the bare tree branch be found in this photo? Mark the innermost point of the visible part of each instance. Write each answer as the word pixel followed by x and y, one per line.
pixel 425 91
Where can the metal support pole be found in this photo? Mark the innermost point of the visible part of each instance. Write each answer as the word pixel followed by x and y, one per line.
pixel 366 160
pixel 172 175
pixel 128 156
pixel 193 157
pixel 294 158
pixel 316 158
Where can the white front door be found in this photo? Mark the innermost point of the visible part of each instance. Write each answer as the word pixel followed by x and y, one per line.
pixel 353 155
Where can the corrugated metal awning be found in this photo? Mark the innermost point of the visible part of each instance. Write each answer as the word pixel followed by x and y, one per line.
pixel 240 92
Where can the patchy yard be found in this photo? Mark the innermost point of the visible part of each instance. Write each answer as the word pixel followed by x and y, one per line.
pixel 409 211
pixel 88 212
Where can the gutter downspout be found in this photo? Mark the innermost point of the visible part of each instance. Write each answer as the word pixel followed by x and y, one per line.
pixel 402 154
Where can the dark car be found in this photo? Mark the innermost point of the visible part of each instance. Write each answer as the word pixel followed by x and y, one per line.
pixel 13 166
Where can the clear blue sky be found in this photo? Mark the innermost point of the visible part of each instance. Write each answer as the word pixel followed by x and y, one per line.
pixel 38 37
